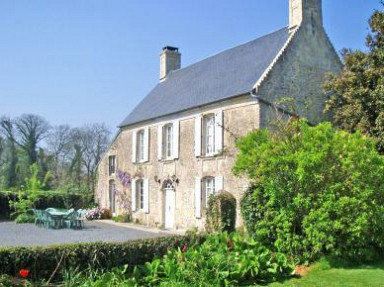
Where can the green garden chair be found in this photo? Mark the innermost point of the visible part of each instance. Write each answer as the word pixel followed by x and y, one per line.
pixel 70 220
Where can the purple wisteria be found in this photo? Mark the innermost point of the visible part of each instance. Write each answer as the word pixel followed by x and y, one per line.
pixel 124 177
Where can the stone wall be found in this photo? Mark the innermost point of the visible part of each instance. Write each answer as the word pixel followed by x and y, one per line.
pixel 240 116
pixel 300 73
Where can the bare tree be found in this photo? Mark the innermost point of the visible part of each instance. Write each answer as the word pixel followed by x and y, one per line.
pixel 93 141
pixel 60 145
pixel 31 129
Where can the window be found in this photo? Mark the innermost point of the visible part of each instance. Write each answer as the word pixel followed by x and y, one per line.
pixel 139 194
pixel 112 165
pixel 209 134
pixel 112 196
pixel 168 141
pixel 140 146
pixel 208 190
pixel 204 188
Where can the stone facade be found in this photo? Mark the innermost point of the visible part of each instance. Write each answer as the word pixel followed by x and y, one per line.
pixel 237 114
pixel 297 72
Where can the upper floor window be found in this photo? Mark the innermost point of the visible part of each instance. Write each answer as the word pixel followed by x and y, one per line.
pixel 140 145
pixel 168 141
pixel 209 134
pixel 112 164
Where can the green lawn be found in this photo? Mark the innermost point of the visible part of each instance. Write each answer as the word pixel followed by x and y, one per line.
pixel 323 275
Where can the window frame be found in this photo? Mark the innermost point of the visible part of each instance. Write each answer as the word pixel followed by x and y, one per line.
pixel 208 189
pixel 168 132
pixel 112 164
pixel 208 135
pixel 139 193
pixel 140 146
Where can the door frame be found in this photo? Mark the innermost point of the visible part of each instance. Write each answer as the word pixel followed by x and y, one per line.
pixel 169 198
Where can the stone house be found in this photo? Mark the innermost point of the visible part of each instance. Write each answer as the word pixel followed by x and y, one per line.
pixel 177 146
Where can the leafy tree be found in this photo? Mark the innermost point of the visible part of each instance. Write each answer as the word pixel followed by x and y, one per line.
pixel 315 190
pixel 356 95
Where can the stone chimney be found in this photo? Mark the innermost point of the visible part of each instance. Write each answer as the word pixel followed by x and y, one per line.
pixel 170 60
pixel 306 12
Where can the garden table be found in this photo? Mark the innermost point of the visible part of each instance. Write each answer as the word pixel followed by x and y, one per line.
pixel 58 216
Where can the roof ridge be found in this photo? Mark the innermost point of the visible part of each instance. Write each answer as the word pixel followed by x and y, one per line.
pixel 224 51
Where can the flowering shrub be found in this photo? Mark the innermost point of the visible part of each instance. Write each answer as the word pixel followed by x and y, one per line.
pixel 98 213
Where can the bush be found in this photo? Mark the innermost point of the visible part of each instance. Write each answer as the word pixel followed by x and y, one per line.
pixel 316 190
pixel 222 260
pixel 98 213
pixel 122 218
pixel 41 261
pixel 221 213
pixel 45 199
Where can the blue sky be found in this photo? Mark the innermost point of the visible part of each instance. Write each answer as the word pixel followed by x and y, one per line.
pixel 76 62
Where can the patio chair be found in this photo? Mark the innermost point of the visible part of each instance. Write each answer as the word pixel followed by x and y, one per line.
pixel 70 220
pixel 38 217
pixel 80 218
pixel 47 220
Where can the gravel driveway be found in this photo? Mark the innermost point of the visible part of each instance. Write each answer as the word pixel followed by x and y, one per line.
pixel 12 234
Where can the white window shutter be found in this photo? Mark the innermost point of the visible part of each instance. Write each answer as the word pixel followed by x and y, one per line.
pixel 198 135
pixel 134 133
pixel 219 183
pixel 160 142
pixel 133 195
pixel 176 136
pixel 219 132
pixel 198 197
pixel 146 144
pixel 146 195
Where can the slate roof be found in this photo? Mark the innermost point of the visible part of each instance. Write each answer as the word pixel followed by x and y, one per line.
pixel 224 75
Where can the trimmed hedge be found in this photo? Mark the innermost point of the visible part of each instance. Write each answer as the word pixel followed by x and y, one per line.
pixel 42 261
pixel 57 199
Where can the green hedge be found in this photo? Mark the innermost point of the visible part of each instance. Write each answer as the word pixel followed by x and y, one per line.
pixel 57 199
pixel 42 261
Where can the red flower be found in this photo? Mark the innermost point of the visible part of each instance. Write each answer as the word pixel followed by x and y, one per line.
pixel 24 273
pixel 185 248
pixel 229 243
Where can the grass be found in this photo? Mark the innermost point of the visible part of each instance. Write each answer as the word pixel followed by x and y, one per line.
pixel 323 275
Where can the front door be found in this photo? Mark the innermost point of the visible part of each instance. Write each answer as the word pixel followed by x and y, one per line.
pixel 169 208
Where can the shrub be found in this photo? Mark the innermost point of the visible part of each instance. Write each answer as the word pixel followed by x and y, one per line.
pixel 222 260
pixel 221 213
pixel 122 218
pixel 315 190
pixel 98 213
pixel 45 199
pixel 41 261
